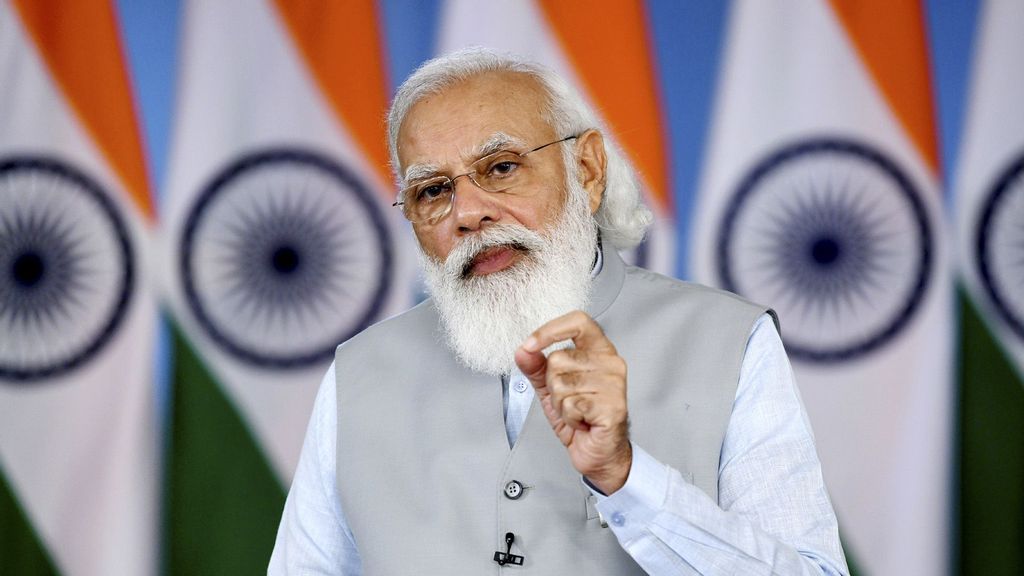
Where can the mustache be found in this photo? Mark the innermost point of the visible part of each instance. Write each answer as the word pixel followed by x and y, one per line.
pixel 460 259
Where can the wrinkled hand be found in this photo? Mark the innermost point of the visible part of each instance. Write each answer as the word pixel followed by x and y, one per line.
pixel 583 394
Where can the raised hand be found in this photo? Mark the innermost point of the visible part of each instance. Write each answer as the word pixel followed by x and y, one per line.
pixel 583 394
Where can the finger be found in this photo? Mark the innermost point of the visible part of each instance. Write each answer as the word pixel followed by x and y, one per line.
pixel 574 411
pixel 563 431
pixel 603 408
pixel 585 361
pixel 608 386
pixel 571 360
pixel 576 326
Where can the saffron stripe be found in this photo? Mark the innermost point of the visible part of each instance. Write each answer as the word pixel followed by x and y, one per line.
pixel 81 45
pixel 609 44
pixel 890 39
pixel 340 43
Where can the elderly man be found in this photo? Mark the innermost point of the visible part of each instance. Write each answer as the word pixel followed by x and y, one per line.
pixel 550 410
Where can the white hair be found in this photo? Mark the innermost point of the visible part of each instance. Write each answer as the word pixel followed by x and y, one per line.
pixel 487 317
pixel 622 217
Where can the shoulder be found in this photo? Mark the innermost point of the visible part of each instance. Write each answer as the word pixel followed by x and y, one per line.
pixel 417 325
pixel 658 290
pixel 682 319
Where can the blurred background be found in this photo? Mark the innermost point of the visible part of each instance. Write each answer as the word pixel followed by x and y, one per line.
pixel 195 208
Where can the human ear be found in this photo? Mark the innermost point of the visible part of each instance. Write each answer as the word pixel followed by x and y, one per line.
pixel 591 164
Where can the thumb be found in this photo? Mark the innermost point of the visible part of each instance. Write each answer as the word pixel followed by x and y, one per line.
pixel 534 365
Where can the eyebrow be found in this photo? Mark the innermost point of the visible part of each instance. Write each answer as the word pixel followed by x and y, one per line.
pixel 495 143
pixel 420 172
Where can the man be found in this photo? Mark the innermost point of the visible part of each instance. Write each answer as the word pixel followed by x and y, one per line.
pixel 666 435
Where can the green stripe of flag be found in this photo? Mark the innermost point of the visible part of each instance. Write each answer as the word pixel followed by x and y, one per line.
pixel 223 500
pixel 991 453
pixel 21 551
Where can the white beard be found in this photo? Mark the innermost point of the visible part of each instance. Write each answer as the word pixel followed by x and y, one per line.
pixel 486 318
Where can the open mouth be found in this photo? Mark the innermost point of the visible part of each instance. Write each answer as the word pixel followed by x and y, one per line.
pixel 493 259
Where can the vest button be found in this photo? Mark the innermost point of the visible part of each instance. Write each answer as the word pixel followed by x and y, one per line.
pixel 513 490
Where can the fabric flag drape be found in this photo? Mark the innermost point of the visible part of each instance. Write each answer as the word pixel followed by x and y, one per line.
pixel 78 447
pixel 279 243
pixel 820 197
pixel 990 212
pixel 616 78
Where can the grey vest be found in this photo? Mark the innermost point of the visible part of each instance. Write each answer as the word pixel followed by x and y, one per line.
pixel 422 453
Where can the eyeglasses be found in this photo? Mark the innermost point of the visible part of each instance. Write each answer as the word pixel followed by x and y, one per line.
pixel 431 200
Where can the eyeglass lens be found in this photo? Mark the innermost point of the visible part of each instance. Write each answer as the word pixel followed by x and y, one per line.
pixel 498 172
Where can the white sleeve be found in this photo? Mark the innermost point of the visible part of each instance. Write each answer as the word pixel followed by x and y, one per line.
pixel 314 538
pixel 773 515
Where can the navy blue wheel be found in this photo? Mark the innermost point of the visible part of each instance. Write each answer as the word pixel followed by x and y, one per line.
pixel 834 235
pixel 285 254
pixel 1000 245
pixel 66 268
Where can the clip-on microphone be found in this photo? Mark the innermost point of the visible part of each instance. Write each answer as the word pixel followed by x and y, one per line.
pixel 507 557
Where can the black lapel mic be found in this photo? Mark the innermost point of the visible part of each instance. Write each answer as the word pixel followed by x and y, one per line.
pixel 507 557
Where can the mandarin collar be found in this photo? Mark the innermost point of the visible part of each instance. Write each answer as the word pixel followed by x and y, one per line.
pixel 608 283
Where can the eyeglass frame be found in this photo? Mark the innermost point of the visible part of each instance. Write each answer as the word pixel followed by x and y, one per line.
pixel 451 180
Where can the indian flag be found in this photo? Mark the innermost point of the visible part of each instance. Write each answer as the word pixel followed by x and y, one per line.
pixel 78 448
pixel 820 197
pixel 989 189
pixel 279 242
pixel 617 78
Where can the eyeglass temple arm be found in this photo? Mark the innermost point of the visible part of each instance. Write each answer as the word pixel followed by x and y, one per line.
pixel 542 146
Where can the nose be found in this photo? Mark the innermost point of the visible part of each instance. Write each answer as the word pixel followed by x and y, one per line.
pixel 473 206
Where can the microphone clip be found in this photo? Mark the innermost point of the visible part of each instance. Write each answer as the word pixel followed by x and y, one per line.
pixel 507 557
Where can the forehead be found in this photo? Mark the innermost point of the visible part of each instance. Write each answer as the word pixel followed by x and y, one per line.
pixel 445 129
